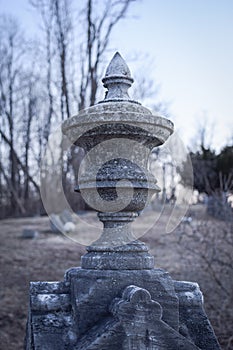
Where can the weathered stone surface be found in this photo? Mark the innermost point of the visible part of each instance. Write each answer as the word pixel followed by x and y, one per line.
pixel 108 334
pixel 107 309
pixel 94 291
pixel 141 318
pixel 50 302
pixel 194 323
pixel 131 256
pixel 118 117
pixel 50 331
pixel 49 287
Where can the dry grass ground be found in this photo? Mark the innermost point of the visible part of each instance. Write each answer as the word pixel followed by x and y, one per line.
pixel 46 257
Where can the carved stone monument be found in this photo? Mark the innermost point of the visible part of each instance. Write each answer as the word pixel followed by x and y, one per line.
pixel 117 299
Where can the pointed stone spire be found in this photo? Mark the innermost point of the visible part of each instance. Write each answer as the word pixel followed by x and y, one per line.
pixel 118 67
pixel 117 80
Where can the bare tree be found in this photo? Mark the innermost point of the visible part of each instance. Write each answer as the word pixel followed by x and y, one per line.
pixel 206 247
pixel 16 111
pixel 63 26
pixel 36 91
pixel 46 10
pixel 99 22
pixel 11 53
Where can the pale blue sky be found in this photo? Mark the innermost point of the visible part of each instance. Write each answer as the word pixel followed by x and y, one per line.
pixel 191 43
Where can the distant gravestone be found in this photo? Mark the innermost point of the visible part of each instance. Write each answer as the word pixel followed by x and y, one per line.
pixel 66 216
pixel 62 223
pixel 29 234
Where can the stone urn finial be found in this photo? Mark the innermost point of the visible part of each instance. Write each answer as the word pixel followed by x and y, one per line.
pixel 118 135
pixel 117 300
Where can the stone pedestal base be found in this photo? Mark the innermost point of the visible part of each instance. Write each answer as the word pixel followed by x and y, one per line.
pixel 117 309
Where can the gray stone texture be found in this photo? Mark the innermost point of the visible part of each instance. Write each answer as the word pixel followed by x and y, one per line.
pixel 118 309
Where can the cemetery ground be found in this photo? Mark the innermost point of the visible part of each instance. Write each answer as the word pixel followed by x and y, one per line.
pixel 200 251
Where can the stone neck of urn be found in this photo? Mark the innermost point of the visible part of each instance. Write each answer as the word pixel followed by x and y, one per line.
pixel 118 135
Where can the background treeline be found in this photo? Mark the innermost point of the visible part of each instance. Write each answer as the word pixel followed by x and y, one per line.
pixel 212 178
pixel 45 80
